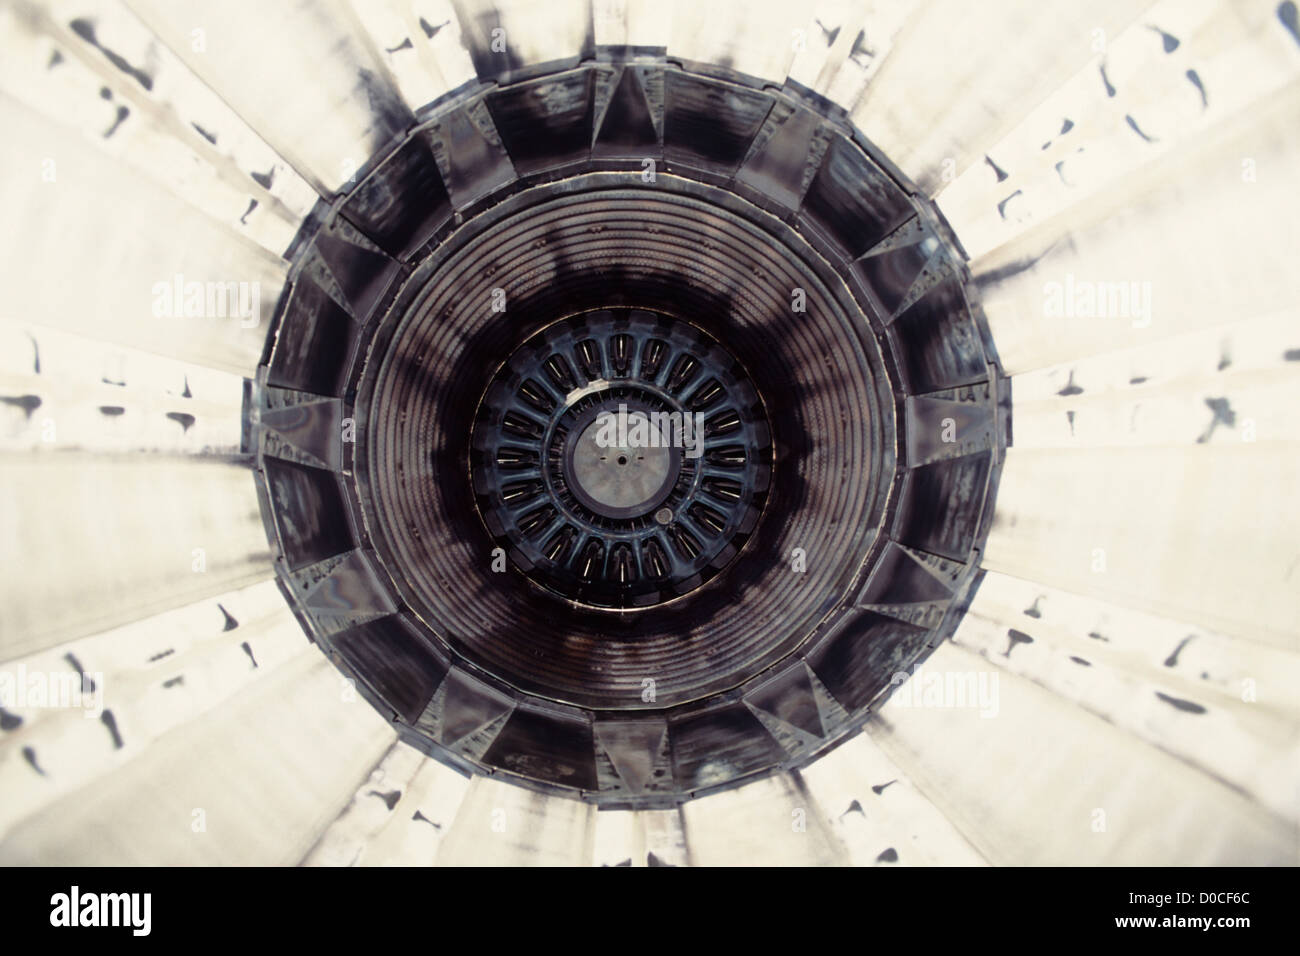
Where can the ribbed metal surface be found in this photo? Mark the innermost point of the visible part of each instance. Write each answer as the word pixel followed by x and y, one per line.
pixel 562 259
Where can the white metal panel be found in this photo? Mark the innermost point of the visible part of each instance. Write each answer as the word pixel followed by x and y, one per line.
pixel 145 679
pixel 1224 385
pixel 252 784
pixel 90 542
pixel 756 37
pixel 92 66
pixel 1043 782
pixel 846 43
pixel 1167 530
pixel 640 838
pixel 304 75
pixel 1192 240
pixel 104 247
pixel 1135 103
pixel 421 820
pixel 513 33
pixel 1224 734
pixel 959 75
pixel 771 822
pixel 369 811
pixel 500 824
pixel 61 392
pixel 878 814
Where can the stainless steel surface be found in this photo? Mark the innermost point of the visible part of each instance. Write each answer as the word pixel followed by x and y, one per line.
pixel 623 476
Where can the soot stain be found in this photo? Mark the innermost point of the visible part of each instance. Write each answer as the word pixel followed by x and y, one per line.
pixel 109 721
pixel 1016 637
pixel 1070 387
pixel 1169 41
pixel 1002 206
pixel 1172 659
pixel 184 419
pixel 1223 415
pixel 29 754
pixel 1286 13
pixel 86 30
pixel 28 403
pixel 1133 125
pixel 1187 706
pixel 1195 79
pixel 390 798
pixel 420 816
pixel 1110 90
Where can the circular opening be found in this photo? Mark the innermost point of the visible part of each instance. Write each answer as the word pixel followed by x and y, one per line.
pixel 525 571
pixel 621 457
pixel 709 276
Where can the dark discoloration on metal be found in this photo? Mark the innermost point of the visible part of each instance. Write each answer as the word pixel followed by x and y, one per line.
pixel 381 206
pixel 1223 415
pixel 390 798
pixel 1015 637
pixel 29 754
pixel 545 123
pixel 87 683
pixel 110 722
pixel 85 29
pixel 184 419
pixel 1172 659
pixel 1290 19
pixel 1110 89
pixel 710 125
pixel 394 661
pixel 1178 703
pixel 28 403
pixel 1167 40
pixel 548 747
pixel 1133 125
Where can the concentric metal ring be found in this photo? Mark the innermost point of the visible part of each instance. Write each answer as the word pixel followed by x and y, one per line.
pixel 751 220
pixel 553 251
pixel 593 427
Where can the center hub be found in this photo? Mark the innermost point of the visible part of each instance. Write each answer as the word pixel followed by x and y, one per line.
pixel 625 461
